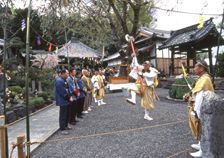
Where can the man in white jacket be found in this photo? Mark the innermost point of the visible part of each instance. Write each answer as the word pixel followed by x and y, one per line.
pixel 145 88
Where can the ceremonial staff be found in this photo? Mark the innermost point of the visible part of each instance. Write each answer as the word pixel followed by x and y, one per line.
pixel 134 64
pixel 185 76
pixel 131 40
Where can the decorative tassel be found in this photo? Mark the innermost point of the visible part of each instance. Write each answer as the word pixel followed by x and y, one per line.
pixel 201 22
pixel 38 40
pixel 23 24
pixel 49 47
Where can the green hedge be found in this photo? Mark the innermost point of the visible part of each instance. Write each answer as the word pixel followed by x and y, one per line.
pixel 179 88
pixel 35 101
pixel 47 95
pixel 16 89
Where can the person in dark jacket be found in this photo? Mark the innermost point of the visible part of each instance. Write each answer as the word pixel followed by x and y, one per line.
pixel 72 89
pixel 81 98
pixel 63 98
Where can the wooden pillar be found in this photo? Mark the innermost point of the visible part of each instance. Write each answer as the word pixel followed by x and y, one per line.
pixel 210 60
pixel 3 141
pixel 194 59
pixel 188 61
pixel 3 137
pixel 21 146
pixel 172 61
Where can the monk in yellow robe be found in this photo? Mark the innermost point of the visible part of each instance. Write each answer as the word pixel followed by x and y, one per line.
pixel 195 98
pixel 100 91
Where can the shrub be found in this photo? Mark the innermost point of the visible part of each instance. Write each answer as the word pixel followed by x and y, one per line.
pixel 179 87
pixel 16 89
pixel 52 96
pixel 15 92
pixel 44 95
pixel 17 78
pixel 220 66
pixel 35 101
pixel 47 84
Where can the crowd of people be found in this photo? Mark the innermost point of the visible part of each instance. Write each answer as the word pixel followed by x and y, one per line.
pixel 74 92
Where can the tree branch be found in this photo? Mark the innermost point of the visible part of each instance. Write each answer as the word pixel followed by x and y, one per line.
pixel 121 21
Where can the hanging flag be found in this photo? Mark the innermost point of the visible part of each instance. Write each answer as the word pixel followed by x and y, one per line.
pixel 13 10
pixel 56 51
pixel 49 47
pixel 23 24
pixel 201 21
pixel 38 40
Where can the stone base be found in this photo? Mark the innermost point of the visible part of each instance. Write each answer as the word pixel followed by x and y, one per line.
pixel 212 118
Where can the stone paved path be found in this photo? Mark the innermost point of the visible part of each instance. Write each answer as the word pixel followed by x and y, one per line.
pixel 42 125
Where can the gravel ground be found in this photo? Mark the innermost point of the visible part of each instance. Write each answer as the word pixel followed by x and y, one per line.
pixel 118 130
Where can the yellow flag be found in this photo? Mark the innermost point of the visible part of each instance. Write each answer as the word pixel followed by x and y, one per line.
pixel 201 21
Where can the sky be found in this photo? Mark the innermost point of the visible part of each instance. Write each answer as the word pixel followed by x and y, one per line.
pixel 173 21
pixel 169 20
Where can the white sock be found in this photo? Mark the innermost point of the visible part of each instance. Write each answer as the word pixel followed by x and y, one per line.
pixel 146 112
pixel 133 96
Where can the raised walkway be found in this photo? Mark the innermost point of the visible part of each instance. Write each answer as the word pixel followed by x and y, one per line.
pixel 43 124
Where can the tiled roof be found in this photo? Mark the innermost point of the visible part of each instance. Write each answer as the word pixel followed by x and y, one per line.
pixel 76 49
pixel 150 32
pixel 190 34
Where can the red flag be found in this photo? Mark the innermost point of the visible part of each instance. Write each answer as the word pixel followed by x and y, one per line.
pixel 49 47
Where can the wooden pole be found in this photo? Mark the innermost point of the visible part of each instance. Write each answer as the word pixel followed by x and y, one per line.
pixel 3 141
pixel 27 79
pixel 188 60
pixel 210 60
pixel 5 24
pixel 21 146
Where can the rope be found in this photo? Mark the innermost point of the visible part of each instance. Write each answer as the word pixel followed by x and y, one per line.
pixel 180 152
pixel 100 134
pixel 105 133
pixel 184 12
pixel 14 145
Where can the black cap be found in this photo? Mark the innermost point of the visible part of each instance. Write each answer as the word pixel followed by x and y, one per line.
pixel 203 64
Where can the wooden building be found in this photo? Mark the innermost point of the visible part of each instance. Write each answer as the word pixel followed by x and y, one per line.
pixel 190 41
pixel 75 50
pixel 147 41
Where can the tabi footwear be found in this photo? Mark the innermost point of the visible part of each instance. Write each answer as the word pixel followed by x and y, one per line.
pixel 64 132
pixel 147 117
pixel 197 154
pixel 85 112
pixel 102 103
pixel 130 101
pixel 98 102
pixel 196 146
